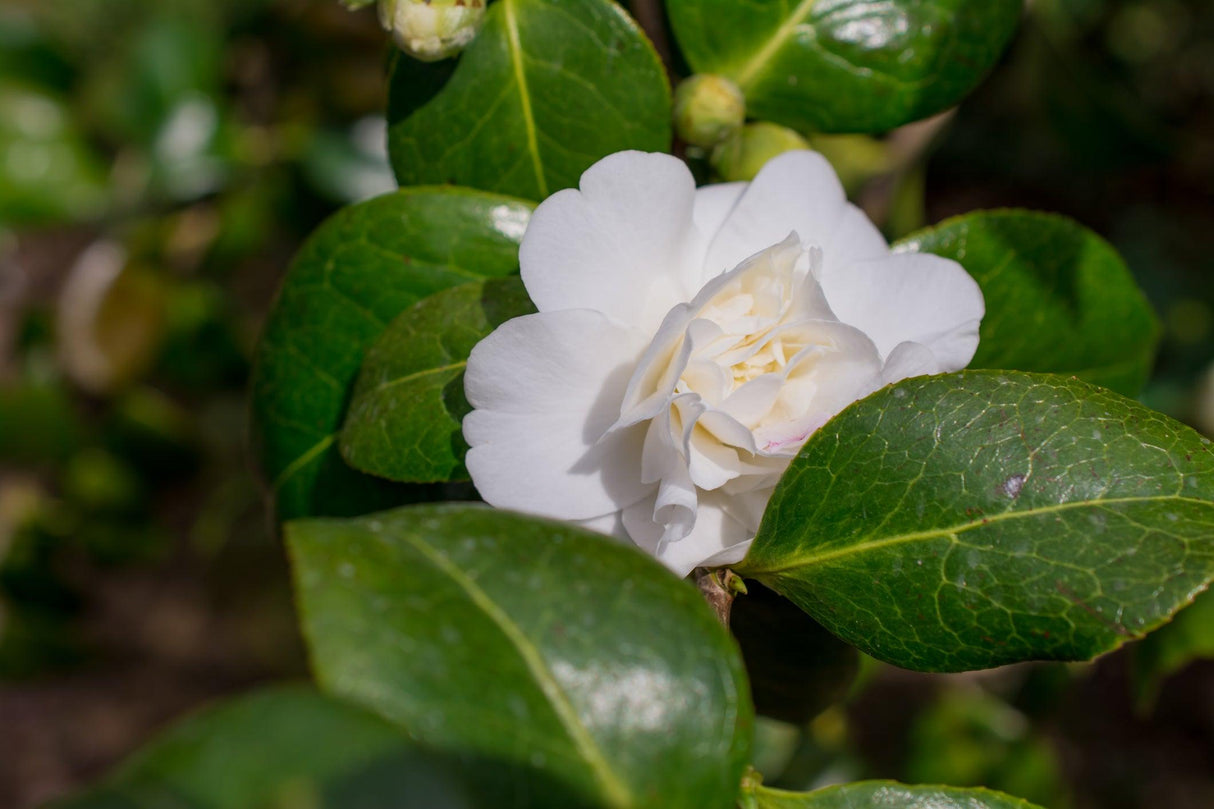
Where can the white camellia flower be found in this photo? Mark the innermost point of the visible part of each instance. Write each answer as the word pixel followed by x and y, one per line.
pixel 689 341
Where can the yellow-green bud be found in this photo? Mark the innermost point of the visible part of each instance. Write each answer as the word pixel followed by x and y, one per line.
pixel 742 155
pixel 707 110
pixel 432 29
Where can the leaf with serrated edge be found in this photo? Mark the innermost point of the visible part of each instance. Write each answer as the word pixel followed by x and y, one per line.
pixel 969 520
pixel 357 272
pixel 1058 297
pixel 547 88
pixel 529 641
pixel 404 418
pixel 885 795
pixel 846 65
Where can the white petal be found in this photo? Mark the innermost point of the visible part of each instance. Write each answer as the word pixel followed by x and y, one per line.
pixel 722 534
pixel 624 243
pixel 713 204
pixel 797 191
pixel 909 359
pixel 545 388
pixel 910 297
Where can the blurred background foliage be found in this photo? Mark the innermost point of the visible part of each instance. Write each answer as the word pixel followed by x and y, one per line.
pixel 160 161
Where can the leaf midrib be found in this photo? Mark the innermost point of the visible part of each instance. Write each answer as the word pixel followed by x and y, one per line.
pixel 520 77
pixel 808 560
pixel 614 790
pixel 751 69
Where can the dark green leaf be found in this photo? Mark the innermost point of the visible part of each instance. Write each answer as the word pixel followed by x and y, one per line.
pixel 965 521
pixel 359 271
pixel 404 419
pixel 285 747
pixel 532 643
pixel 1058 297
pixel 885 795
pixel 846 65
pixel 796 668
pixel 546 89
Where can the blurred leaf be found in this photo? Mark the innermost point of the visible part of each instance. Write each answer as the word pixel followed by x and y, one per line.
pixel 846 65
pixel 969 520
pixel 546 89
pixel 884 795
pixel 359 271
pixel 553 650
pixel 48 174
pixel 796 667
pixel 968 738
pixel 282 748
pixel 1189 637
pixel 38 425
pixel 1058 297
pixel 405 415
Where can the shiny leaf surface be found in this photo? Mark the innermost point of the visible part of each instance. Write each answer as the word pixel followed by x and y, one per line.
pixel 404 418
pixel 359 271
pixel 547 88
pixel 886 795
pixel 970 520
pixel 846 65
pixel 1058 297
pixel 535 644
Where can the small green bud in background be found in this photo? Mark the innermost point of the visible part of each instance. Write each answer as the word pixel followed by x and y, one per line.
pixel 430 30
pixel 743 154
pixel 707 110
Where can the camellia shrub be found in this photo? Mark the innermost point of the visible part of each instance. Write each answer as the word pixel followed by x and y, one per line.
pixel 680 405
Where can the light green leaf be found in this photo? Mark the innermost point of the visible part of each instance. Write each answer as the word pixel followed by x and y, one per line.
pixel 547 88
pixel 965 521
pixel 885 795
pixel 283 747
pixel 846 65
pixel 359 271
pixel 530 643
pixel 404 418
pixel 1058 297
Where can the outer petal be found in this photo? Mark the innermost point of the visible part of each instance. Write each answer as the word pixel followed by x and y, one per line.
pixel 546 387
pixel 625 243
pixel 722 533
pixel 797 191
pixel 914 297
pixel 713 204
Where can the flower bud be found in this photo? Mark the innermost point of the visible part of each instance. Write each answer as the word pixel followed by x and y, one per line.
pixel 707 110
pixel 432 29
pixel 742 155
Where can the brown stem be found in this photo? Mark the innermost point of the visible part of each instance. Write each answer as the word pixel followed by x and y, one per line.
pixel 649 16
pixel 719 586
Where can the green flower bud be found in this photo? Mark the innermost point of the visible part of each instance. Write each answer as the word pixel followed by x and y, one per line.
pixel 742 155
pixel 432 29
pixel 707 110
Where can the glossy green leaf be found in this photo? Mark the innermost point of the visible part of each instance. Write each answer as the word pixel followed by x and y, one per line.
pixel 531 643
pixel 846 65
pixel 884 795
pixel 359 271
pixel 405 416
pixel 1058 297
pixel 546 89
pixel 1188 638
pixel 283 747
pixel 969 520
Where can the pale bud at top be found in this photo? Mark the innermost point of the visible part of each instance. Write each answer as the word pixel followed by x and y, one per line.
pixel 742 155
pixel 708 109
pixel 432 29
